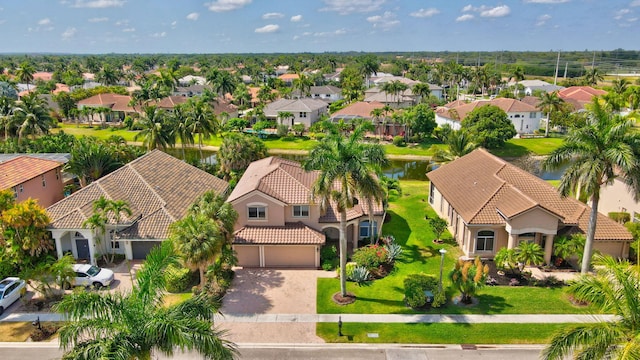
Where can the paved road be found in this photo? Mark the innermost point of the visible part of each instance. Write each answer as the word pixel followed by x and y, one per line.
pixel 49 351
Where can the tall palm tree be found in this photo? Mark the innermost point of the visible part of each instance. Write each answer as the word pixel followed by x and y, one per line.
pixel 156 132
pixel 619 86
pixel 237 151
pixel 136 324
pixel 202 120
pixel 592 76
pixel 284 115
pixel 344 172
pixel 549 102
pixel 109 75
pixel 182 127
pixel 615 288
pixel 32 116
pixel 7 120
pixel 25 73
pixel 422 90
pixel 368 65
pixel 396 88
pixel 516 74
pixel 303 83
pixel 117 207
pixel 91 160
pixel 376 114
pixel 604 149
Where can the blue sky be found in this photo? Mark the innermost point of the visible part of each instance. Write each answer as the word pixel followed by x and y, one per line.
pixel 241 26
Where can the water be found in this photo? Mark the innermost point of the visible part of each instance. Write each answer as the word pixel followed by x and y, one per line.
pixel 397 169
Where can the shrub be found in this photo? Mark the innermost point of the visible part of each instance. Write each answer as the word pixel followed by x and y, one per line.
pixel 439 299
pixel 350 268
pixel 414 287
pixel 620 217
pixel 328 265
pixel 177 279
pixel 393 251
pixel 360 275
pixel 283 130
pixel 371 256
pixel 328 252
pixel 399 140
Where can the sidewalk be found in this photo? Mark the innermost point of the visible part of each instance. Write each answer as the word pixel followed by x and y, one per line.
pixel 369 318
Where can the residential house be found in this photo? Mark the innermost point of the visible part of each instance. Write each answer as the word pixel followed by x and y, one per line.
pixel 531 86
pixel 118 104
pixel 157 187
pixel 491 204
pixel 616 197
pixel 328 93
pixel 579 96
pixel 403 100
pixel 279 225
pixel 288 78
pixel 32 177
pixel 190 90
pixel 305 111
pixel 525 118
pixel 189 80
pixel 362 110
pixel 381 79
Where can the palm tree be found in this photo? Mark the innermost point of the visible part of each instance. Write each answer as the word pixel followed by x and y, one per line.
pixel 155 131
pixel 549 102
pixel 368 65
pixel 344 171
pixel 136 324
pixel 32 116
pixel 98 220
pixel 284 115
pixel 395 87
pixel 108 75
pixel 91 160
pixel 7 120
pixel 605 148
pixel 117 207
pixel 422 90
pixel 516 74
pixel 619 86
pixel 25 73
pixel 182 127
pixel 459 144
pixel 592 76
pixel 615 288
pixel 237 151
pixel 303 83
pixel 202 120
pixel 376 114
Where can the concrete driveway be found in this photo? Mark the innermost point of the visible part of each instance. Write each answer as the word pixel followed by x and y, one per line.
pixel 272 291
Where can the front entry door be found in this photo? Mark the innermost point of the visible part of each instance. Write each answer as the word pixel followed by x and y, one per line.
pixel 82 245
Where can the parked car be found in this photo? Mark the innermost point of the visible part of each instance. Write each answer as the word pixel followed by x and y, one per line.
pixel 10 291
pixel 88 275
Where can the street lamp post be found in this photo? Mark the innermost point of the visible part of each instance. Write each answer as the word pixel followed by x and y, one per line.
pixel 442 252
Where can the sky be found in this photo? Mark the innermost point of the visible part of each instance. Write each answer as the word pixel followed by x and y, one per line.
pixel 290 26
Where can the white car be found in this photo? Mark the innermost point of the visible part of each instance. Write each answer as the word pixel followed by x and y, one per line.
pixel 91 275
pixel 10 291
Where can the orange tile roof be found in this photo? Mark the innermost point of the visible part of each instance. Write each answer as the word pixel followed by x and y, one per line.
pixel 289 234
pixel 483 188
pixel 289 76
pixel 21 169
pixel 359 109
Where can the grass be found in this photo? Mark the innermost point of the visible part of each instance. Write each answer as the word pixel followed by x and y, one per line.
pixel 521 147
pixel 439 333
pixel 555 183
pixel 412 231
pixel 19 331
pixel 171 299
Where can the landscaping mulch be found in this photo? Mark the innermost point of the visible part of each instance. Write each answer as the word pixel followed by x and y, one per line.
pixel 38 304
pixel 350 298
pixel 509 278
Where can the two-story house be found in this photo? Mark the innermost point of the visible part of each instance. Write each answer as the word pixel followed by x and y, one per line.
pixel 35 178
pixel 305 111
pixel 279 224
pixel 525 118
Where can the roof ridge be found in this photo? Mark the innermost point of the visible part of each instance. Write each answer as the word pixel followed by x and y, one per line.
pixel 495 193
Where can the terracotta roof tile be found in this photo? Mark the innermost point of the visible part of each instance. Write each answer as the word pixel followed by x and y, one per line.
pixel 358 109
pixel 289 234
pixel 479 185
pixel 17 171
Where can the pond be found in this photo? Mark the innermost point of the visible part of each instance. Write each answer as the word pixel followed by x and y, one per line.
pixel 397 169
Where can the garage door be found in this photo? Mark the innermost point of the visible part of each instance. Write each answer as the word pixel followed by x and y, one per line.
pixel 290 256
pixel 140 249
pixel 248 256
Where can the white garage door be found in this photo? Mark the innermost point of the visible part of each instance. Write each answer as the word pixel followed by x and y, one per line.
pixel 290 256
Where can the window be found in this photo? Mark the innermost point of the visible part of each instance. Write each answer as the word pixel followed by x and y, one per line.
pixel 57 174
pixel 364 229
pixel 431 193
pixel 532 115
pixel 21 188
pixel 44 182
pixel 484 240
pixel 301 211
pixel 303 114
pixel 115 244
pixel 526 237
pixel 257 212
pixel 15 191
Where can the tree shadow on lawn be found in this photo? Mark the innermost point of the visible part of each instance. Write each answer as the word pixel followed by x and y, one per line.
pixel 386 302
pixel 487 304
pixel 414 253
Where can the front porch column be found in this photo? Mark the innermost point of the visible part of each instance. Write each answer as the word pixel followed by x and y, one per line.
pixel 513 239
pixel 56 235
pixel 548 249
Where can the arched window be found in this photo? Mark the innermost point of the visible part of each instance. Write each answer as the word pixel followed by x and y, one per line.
pixel 485 240
pixel 526 237
pixel 364 229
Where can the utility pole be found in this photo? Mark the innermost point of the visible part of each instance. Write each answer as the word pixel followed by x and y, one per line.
pixel 555 79
pixel 566 65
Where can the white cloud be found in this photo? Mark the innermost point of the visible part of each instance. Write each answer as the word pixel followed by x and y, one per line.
pixel 620 13
pixel 425 13
pixel 159 35
pixel 98 19
pixel 173 24
pixel 542 19
pixel 344 7
pixel 98 4
pixel 546 1
pixel 272 15
pixel 267 29
pixel 193 16
pixel 465 17
pixel 498 11
pixel 385 21
pixel 122 23
pixel 129 30
pixel 296 18
pixel 69 33
pixel 467 8
pixel 45 21
pixel 635 3
pixel 227 5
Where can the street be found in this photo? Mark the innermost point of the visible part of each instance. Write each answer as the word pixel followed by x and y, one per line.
pixel 50 351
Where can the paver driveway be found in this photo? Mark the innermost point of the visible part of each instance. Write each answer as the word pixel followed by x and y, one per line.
pixel 272 291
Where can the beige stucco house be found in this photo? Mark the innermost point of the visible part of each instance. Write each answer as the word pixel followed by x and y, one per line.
pixel 491 204
pixel 157 187
pixel 305 111
pixel 617 197
pixel 280 226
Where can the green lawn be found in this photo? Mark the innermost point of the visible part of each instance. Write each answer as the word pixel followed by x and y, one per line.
pixel 412 231
pixel 536 146
pixel 439 333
